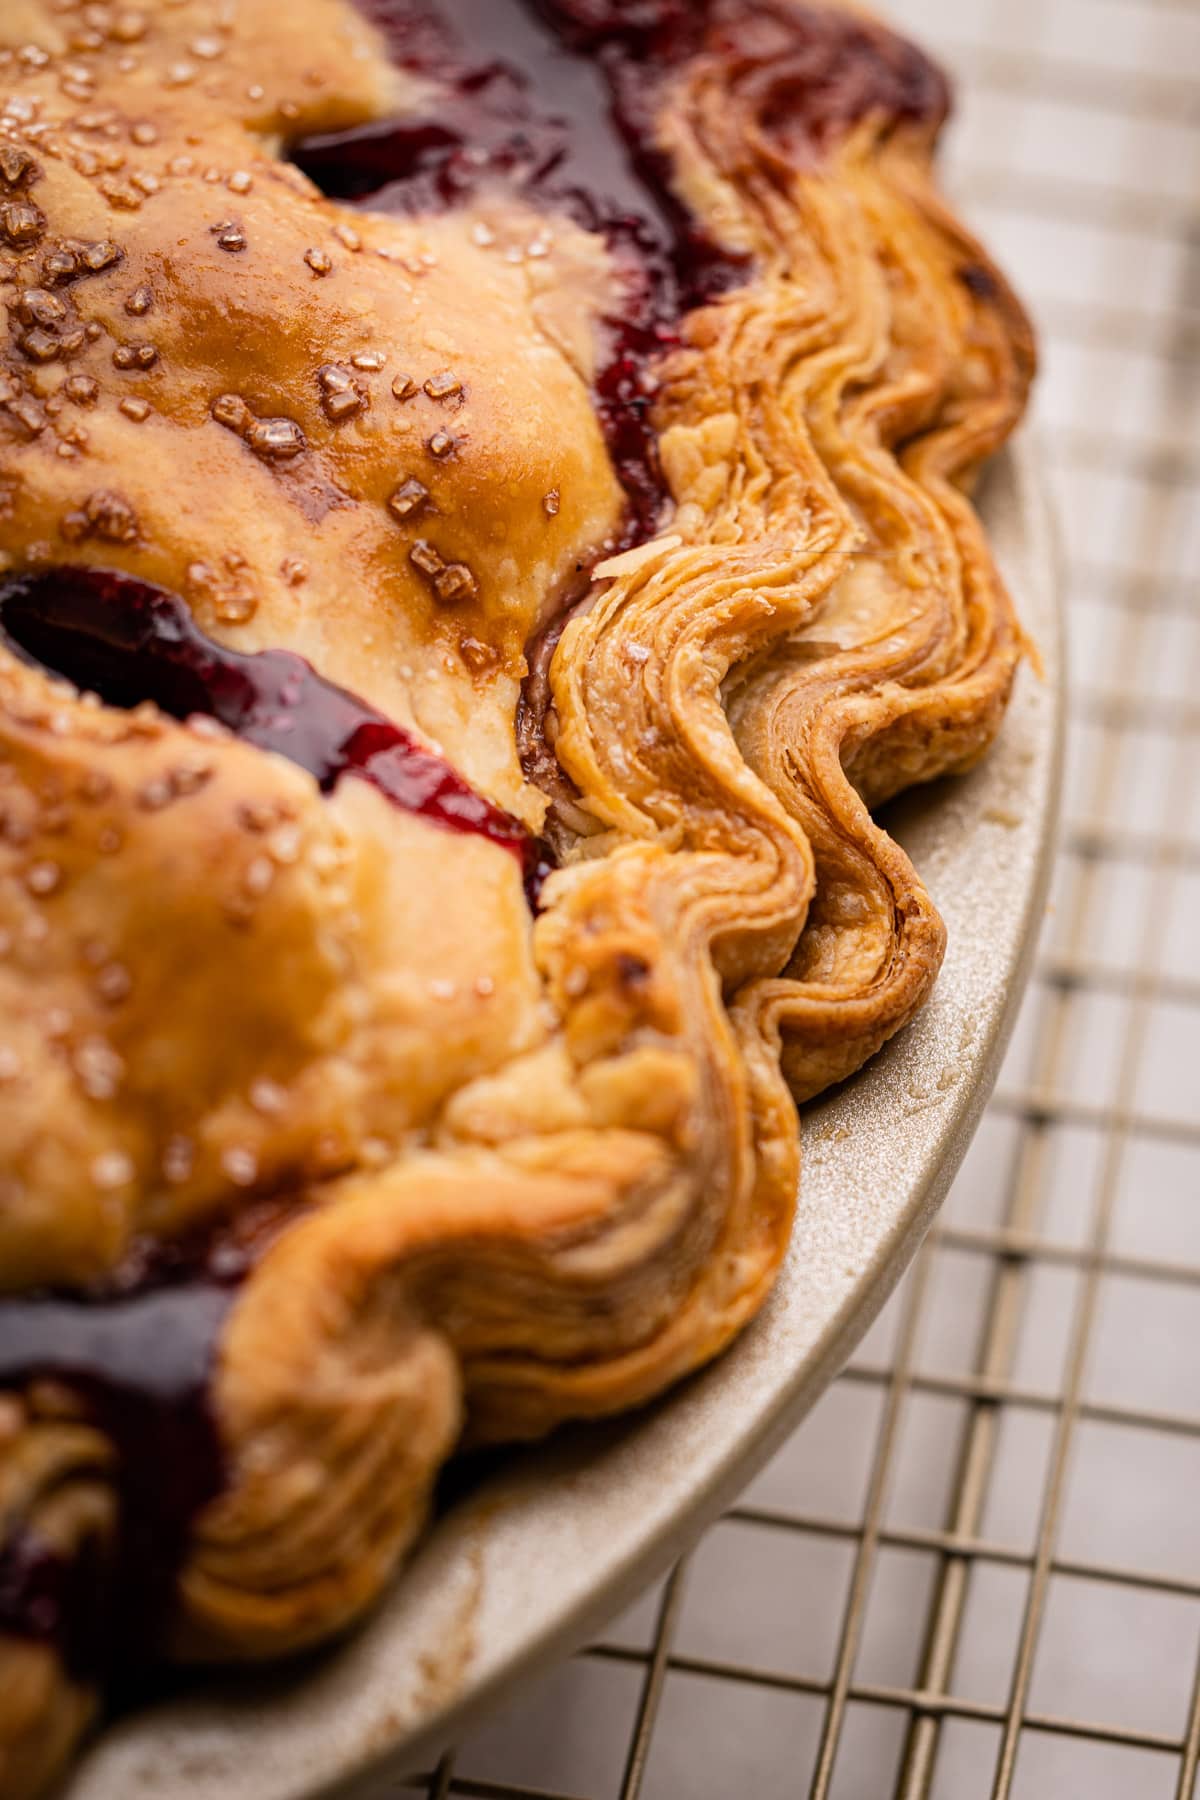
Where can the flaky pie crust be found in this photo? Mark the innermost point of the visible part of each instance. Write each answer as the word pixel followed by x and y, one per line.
pixel 528 1169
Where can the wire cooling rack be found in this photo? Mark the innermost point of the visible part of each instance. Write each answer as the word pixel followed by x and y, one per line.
pixel 975 1570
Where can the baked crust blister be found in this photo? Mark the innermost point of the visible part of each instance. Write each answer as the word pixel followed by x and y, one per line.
pixel 514 1168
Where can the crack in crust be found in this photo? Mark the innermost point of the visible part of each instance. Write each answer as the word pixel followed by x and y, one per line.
pixel 543 1172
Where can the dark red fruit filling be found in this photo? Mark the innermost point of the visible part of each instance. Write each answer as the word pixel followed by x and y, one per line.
pixel 558 99
pixel 523 103
pixel 137 1350
pixel 128 642
pixel 141 1368
pixel 51 1598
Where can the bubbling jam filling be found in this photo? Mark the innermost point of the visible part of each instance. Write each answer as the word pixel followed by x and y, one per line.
pixel 128 642
pixel 50 1598
pixel 136 1352
pixel 139 1368
pixel 557 101
pixel 524 102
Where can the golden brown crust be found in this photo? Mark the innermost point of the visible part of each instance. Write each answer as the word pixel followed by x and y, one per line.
pixel 540 1170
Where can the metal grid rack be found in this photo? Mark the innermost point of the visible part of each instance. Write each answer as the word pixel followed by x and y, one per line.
pixel 975 1570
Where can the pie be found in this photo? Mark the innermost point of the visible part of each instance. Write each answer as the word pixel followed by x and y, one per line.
pixel 485 522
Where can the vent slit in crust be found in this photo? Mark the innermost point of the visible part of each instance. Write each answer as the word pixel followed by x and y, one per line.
pixel 131 644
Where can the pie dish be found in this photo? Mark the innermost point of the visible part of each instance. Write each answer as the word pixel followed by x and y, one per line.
pixel 486 522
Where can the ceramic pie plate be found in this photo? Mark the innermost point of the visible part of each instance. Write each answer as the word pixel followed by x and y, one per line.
pixel 539 1555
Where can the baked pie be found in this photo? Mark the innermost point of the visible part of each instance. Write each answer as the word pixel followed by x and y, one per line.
pixel 484 523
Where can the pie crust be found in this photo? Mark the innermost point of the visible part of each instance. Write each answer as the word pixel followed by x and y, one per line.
pixel 365 1095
